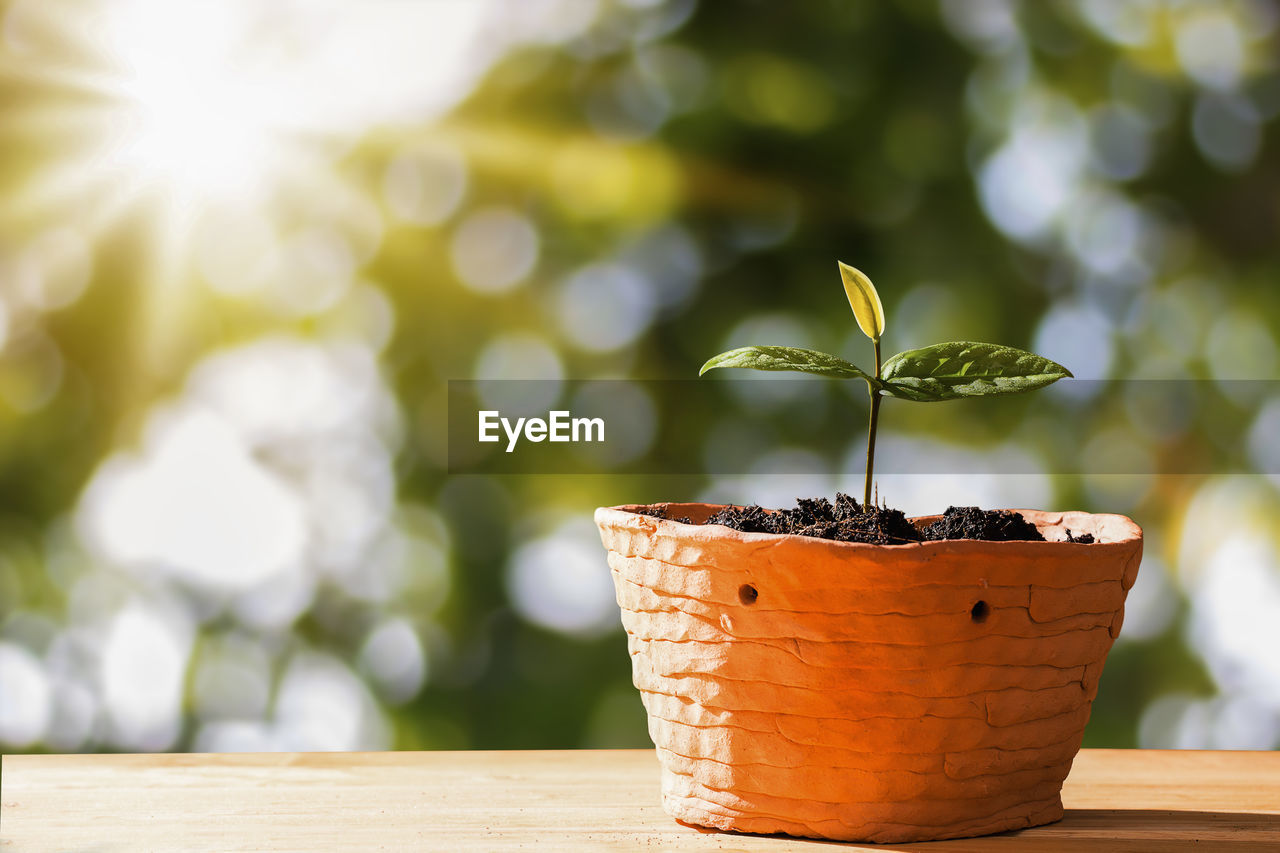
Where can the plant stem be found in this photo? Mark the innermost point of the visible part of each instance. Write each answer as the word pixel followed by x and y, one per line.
pixel 871 431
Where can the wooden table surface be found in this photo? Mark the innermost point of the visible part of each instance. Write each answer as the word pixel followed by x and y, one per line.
pixel 1116 800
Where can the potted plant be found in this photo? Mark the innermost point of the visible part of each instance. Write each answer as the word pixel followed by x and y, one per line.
pixel 839 671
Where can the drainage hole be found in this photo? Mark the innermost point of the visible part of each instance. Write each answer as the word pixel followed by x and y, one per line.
pixel 980 612
pixel 748 594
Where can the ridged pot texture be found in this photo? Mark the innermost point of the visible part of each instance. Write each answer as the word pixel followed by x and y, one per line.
pixel 867 692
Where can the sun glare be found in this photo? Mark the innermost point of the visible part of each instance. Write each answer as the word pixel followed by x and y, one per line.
pixel 167 113
pixel 189 118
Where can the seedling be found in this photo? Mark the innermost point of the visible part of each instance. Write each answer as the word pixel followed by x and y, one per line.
pixel 946 371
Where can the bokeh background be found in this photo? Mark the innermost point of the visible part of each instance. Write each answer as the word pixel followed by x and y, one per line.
pixel 245 245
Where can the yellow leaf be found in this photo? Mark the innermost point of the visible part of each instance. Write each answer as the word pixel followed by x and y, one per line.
pixel 864 301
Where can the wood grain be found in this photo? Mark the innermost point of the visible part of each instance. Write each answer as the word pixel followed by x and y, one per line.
pixel 1116 800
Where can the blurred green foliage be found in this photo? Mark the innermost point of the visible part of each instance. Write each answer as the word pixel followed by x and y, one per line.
pixel 1037 174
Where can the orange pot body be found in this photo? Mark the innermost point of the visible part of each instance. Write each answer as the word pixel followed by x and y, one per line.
pixel 867 692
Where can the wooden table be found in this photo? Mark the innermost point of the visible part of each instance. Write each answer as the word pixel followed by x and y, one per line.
pixel 1117 800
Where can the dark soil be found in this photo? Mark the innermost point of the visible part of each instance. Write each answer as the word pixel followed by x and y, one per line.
pixel 660 511
pixel 969 522
pixel 1083 538
pixel 846 520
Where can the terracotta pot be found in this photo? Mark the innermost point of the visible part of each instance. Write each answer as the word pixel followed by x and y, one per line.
pixel 867 692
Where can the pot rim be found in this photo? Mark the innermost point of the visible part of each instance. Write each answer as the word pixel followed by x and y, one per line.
pixel 1111 530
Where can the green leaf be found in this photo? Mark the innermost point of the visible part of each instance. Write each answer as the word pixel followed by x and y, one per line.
pixel 787 358
pixel 864 300
pixel 966 369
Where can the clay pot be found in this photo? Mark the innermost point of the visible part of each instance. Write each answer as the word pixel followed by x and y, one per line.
pixel 867 692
